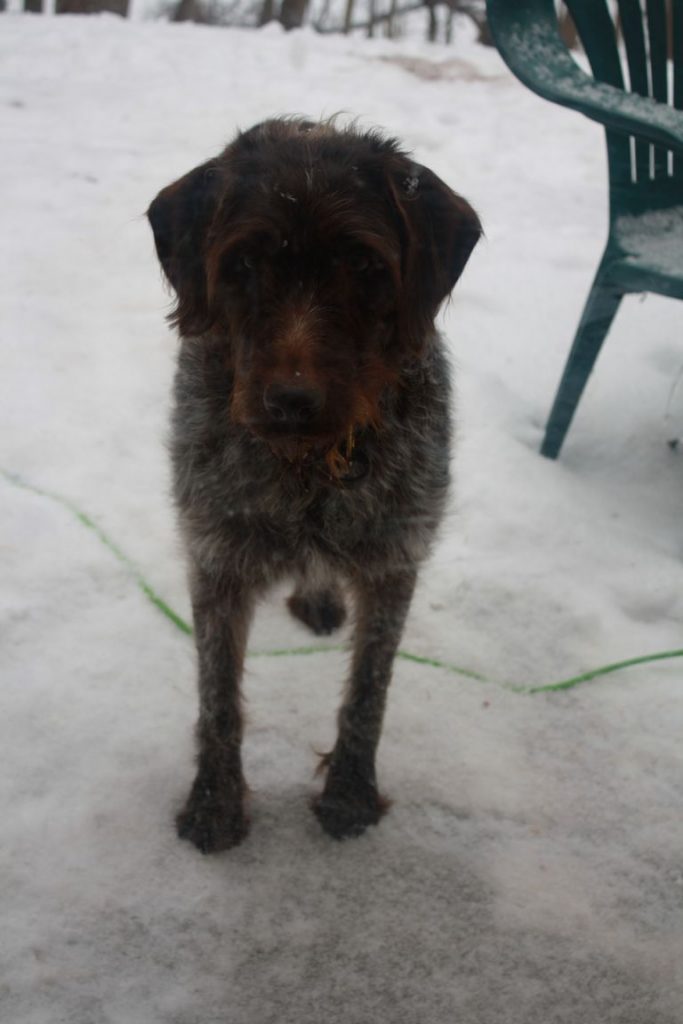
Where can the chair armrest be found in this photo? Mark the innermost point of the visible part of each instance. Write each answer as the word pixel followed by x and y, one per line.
pixel 527 37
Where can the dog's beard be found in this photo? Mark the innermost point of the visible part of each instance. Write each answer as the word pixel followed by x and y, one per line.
pixel 334 453
pixel 296 450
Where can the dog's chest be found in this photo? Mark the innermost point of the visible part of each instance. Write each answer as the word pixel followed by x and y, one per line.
pixel 242 505
pixel 286 512
pixel 317 513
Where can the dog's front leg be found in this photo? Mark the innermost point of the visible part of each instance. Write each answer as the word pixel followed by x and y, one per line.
pixel 214 817
pixel 350 800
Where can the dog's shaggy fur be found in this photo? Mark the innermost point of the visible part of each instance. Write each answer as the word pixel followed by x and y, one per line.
pixel 311 427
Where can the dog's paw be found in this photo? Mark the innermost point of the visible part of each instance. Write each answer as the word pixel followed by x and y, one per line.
pixel 346 816
pixel 322 611
pixel 211 821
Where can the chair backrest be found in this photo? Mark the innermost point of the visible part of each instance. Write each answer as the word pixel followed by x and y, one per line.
pixel 652 34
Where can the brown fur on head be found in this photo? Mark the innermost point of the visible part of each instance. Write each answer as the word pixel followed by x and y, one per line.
pixel 321 256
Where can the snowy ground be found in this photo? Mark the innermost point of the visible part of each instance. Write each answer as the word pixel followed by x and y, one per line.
pixel 531 869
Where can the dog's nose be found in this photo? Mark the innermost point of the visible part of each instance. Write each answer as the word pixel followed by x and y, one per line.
pixel 292 403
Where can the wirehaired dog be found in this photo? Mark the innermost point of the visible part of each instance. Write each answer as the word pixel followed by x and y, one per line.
pixel 311 427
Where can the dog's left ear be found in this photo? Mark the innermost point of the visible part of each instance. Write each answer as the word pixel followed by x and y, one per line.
pixel 180 218
pixel 440 229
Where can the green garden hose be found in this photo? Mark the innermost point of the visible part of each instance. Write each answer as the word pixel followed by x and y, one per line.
pixel 184 627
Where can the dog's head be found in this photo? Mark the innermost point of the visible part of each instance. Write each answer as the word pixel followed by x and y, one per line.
pixel 321 257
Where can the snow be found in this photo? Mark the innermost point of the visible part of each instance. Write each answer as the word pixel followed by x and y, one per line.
pixel 654 238
pixel 530 868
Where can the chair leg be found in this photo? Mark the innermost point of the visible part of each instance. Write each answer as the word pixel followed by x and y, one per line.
pixel 598 313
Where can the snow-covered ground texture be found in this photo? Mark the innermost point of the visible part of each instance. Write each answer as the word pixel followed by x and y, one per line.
pixel 531 868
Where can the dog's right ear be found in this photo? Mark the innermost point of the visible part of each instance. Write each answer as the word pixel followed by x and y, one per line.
pixel 180 218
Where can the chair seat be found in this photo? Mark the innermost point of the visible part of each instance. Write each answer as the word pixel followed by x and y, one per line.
pixel 645 252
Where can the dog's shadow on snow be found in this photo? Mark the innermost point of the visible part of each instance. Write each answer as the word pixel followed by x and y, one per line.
pixel 408 916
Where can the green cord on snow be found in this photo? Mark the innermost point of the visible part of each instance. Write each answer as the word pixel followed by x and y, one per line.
pixel 147 590
pixel 184 627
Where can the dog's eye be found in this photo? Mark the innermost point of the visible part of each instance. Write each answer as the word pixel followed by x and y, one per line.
pixel 241 265
pixel 364 261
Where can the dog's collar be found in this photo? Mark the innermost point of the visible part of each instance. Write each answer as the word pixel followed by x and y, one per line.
pixel 358 468
pixel 348 466
pixel 355 464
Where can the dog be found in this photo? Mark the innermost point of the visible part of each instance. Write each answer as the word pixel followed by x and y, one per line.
pixel 311 427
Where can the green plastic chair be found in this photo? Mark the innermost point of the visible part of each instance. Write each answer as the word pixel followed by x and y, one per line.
pixel 641 106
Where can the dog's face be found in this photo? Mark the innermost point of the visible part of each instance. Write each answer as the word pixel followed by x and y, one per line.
pixel 320 258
